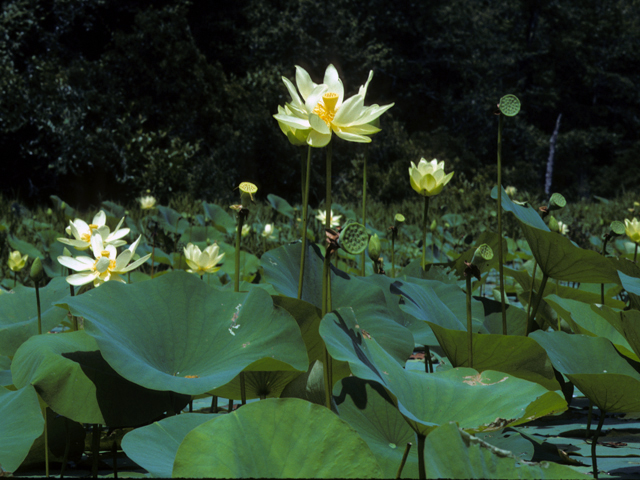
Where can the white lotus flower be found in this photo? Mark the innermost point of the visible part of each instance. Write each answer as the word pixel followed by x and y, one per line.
pixel 106 265
pixel 82 232
pixel 322 218
pixel 323 110
pixel 202 262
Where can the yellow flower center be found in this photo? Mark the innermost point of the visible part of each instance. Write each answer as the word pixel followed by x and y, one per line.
pixel 86 237
pixel 326 109
pixel 105 253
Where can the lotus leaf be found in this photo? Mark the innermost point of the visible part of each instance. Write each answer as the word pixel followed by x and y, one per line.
pixel 258 440
pixel 587 320
pixel 5 372
pixel 75 381
pixel 154 446
pixel 21 422
pixel 478 401
pixel 219 217
pixel 451 453
pixel 518 356
pixel 19 314
pixel 595 368
pixel 281 206
pixel 176 333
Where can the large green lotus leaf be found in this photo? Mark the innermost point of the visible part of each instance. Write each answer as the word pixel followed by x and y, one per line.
pixel 276 438
pixel 422 334
pixel 561 259
pixel 631 283
pixel 626 323
pixel 160 332
pixel 451 453
pixel 524 279
pixel 271 384
pixel 24 247
pixel 75 381
pixel 21 422
pixel 219 217
pixel 19 314
pixel 282 269
pixel 518 356
pixel 202 236
pixel 586 319
pixel 249 263
pixel 439 303
pixel 154 446
pixel 596 369
pixel 170 220
pixel 478 401
pixel 524 213
pixel 369 409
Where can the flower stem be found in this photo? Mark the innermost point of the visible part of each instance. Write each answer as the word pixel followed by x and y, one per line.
pixel 405 455
pixel 37 284
pixel 326 281
pixel 236 281
pixel 532 319
pixel 533 282
pixel 305 215
pixel 364 203
pixel 500 253
pixel 469 320
pixel 635 255
pixel 393 256
pixel 424 232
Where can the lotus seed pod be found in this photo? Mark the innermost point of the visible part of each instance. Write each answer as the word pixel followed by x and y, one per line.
pixel 375 247
pixel 509 105
pixel 483 254
pixel 37 272
pixel 553 224
pixel 247 189
pixel 617 228
pixel 556 202
pixel 398 220
pixel 354 238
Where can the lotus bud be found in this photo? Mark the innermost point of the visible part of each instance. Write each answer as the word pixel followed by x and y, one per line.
pixel 556 202
pixel 553 224
pixel 37 272
pixel 375 247
pixel 433 225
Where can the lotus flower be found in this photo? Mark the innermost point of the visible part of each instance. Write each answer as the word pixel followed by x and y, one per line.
pixel 632 229
pixel 82 232
pixel 147 202
pixel 322 218
pixel 323 110
pixel 17 261
pixel 202 262
pixel 428 178
pixel 106 266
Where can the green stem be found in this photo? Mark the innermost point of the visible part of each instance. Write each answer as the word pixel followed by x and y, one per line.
pixel 635 254
pixel 405 455
pixel 303 172
pixel 428 366
pixel 364 203
pixel 243 390
pixel 424 232
pixel 602 293
pixel 305 214
pixel 214 404
pixel 533 283
pixel 393 256
pixel 326 281
pixel 37 284
pixel 236 281
pixel 594 444
pixel 469 321
pixel 589 420
pixel 422 471
pixel 532 319
pixel 500 253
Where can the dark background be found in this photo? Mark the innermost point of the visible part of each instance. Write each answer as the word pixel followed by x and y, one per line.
pixel 105 99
